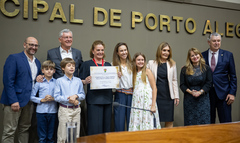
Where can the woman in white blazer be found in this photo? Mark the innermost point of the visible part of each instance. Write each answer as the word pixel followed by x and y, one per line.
pixel 165 73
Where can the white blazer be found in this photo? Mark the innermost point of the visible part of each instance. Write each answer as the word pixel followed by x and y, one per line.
pixel 172 77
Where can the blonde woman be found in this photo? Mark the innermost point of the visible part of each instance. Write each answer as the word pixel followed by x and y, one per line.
pixel 122 58
pixel 144 96
pixel 195 83
pixel 165 74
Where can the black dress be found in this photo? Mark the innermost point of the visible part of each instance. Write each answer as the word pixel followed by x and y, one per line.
pixel 196 109
pixel 164 102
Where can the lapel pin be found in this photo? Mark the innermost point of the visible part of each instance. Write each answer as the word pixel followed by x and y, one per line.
pixel 221 54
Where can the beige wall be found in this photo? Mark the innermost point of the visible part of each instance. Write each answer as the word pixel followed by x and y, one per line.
pixel 15 30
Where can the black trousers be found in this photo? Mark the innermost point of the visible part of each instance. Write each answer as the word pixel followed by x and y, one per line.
pixel 99 118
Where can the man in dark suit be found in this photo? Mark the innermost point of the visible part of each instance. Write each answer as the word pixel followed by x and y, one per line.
pixel 20 71
pixel 65 51
pixel 223 91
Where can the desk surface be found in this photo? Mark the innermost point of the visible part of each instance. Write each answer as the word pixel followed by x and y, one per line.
pixel 218 133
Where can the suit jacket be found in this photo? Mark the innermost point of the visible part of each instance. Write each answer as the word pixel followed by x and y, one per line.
pixel 55 56
pixel 172 77
pixel 17 79
pixel 224 75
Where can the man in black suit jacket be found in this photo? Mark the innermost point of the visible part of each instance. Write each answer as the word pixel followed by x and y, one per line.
pixel 223 91
pixel 65 51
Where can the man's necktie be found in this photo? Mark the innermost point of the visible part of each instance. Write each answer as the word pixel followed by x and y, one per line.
pixel 213 62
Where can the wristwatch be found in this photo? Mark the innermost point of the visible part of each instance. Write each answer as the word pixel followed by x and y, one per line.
pixel 201 91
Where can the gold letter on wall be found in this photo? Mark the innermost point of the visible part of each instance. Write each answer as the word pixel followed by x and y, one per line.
pixel 166 23
pixel 151 15
pixel 72 20
pixel 114 17
pixel 136 20
pixel 36 9
pixel 193 25
pixel 229 29
pixel 105 15
pixel 178 19
pixel 216 28
pixel 237 30
pixel 5 12
pixel 25 9
pixel 61 15
pixel 207 27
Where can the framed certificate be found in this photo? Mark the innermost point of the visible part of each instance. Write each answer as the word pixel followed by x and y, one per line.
pixel 104 77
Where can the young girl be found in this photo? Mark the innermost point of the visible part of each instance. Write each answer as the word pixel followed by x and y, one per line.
pixel 144 96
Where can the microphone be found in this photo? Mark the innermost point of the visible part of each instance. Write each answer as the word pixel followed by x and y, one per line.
pixel 154 119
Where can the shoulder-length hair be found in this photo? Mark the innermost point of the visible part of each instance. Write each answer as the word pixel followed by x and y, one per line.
pixel 189 65
pixel 116 59
pixel 135 69
pixel 95 43
pixel 159 52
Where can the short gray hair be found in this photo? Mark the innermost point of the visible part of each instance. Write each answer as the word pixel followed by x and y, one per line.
pixel 64 31
pixel 214 34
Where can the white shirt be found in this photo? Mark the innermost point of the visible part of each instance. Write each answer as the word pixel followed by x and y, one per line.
pixel 126 79
pixel 210 57
pixel 65 54
pixel 33 68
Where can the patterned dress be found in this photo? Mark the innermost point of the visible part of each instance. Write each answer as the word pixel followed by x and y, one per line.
pixel 196 110
pixel 142 98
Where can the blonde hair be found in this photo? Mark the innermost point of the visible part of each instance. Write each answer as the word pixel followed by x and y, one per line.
pixel 135 69
pixel 189 65
pixel 95 43
pixel 159 52
pixel 116 59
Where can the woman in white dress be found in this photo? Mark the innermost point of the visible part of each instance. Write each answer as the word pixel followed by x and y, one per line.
pixel 144 96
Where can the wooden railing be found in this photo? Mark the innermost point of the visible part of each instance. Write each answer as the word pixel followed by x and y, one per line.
pixel 214 133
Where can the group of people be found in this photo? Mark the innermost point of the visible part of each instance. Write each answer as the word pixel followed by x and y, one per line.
pixel 208 81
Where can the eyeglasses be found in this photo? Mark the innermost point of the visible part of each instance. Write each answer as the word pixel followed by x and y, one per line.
pixel 32 45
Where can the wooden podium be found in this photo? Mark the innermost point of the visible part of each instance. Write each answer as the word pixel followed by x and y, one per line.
pixel 214 133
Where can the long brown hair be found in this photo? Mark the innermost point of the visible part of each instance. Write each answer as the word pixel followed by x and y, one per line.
pixel 135 69
pixel 189 65
pixel 116 59
pixel 159 52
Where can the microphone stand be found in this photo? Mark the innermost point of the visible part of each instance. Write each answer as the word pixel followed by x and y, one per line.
pixel 154 118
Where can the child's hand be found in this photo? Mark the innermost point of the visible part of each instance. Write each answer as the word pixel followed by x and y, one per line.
pixel 44 100
pixel 49 98
pixel 72 98
pixel 153 109
pixel 76 102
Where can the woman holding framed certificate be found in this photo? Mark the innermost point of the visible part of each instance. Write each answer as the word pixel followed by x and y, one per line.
pixel 99 101
pixel 123 95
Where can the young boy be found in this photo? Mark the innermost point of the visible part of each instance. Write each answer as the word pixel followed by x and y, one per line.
pixel 68 92
pixel 46 106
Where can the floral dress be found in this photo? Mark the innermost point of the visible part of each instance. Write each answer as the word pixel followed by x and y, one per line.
pixel 142 98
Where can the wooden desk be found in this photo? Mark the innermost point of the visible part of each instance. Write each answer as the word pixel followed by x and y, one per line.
pixel 214 133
